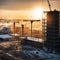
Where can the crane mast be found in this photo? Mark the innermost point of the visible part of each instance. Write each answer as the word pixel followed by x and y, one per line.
pixel 49 5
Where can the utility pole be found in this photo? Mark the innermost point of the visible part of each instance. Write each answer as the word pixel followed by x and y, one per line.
pixel 31 27
pixel 22 30
pixel 14 30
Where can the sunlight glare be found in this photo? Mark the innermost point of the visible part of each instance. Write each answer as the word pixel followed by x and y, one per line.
pixel 37 13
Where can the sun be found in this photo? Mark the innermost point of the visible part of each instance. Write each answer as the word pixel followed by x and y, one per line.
pixel 37 13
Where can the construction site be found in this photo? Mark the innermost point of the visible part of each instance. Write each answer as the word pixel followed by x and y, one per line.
pixel 31 39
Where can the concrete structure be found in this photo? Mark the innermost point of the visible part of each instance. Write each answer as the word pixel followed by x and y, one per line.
pixel 36 42
pixel 51 31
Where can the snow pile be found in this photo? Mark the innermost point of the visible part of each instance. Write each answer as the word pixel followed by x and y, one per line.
pixel 35 39
pixel 5 36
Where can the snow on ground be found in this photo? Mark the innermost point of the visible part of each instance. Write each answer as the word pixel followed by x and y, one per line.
pixel 5 36
pixel 40 54
pixel 35 39
pixel 33 52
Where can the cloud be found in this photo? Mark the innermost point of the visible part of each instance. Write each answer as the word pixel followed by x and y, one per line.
pixel 17 4
pixel 23 4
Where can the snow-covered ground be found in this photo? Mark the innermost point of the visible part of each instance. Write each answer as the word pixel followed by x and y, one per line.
pixel 5 36
pixel 35 39
pixel 40 54
pixel 35 53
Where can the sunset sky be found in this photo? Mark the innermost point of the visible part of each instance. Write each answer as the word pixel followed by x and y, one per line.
pixel 24 9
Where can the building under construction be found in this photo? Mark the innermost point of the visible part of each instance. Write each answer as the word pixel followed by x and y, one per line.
pixel 51 31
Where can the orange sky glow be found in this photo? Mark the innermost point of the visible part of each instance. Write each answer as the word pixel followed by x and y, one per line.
pixel 26 9
pixel 35 13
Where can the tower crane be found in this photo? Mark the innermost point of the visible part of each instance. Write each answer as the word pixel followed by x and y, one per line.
pixel 49 5
pixel 31 21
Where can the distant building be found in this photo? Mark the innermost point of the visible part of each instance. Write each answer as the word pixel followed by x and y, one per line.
pixel 5 30
pixel 51 31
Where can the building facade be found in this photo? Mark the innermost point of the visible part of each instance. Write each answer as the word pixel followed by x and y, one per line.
pixel 51 31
